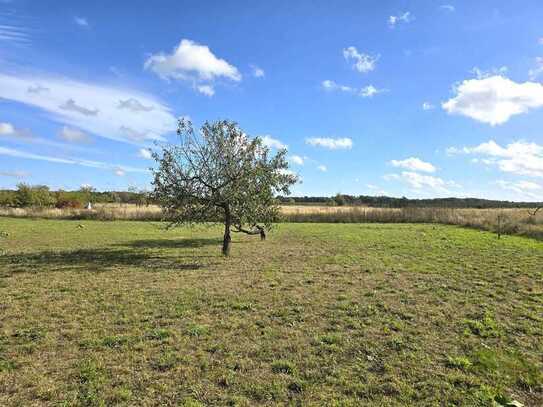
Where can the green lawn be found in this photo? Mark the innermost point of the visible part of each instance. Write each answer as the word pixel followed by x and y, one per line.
pixel 127 313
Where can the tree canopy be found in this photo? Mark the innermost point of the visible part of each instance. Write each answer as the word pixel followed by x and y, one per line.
pixel 221 174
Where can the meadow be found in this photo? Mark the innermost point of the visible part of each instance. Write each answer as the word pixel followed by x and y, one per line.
pixel 513 221
pixel 126 313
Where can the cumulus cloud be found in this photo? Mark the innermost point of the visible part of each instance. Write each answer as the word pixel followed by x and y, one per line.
pixel 520 157
pixel 193 62
pixel 296 159
pixel 322 168
pixel 494 99
pixel 361 62
pixel 71 161
pixel 74 135
pixel 271 142
pixel 120 172
pixel 414 164
pixel 145 153
pixel 330 143
pixel 257 71
pixel 370 90
pixel 92 108
pixel 406 17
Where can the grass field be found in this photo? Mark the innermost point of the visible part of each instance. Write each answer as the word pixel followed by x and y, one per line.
pixel 127 313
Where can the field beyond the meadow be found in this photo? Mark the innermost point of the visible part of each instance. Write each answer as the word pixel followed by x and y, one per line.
pixel 127 313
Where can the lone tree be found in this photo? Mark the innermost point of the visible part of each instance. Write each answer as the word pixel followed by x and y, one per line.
pixel 221 174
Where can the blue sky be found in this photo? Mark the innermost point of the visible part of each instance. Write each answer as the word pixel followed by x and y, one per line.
pixel 413 98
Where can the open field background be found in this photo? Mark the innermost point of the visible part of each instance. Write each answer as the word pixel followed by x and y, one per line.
pixel 319 314
pixel 507 221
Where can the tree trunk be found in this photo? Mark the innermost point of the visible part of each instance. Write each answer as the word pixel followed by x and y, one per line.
pixel 227 239
pixel 262 232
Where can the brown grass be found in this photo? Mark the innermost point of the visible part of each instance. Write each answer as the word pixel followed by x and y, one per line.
pixel 505 221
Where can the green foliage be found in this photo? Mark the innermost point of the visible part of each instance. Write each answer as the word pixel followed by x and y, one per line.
pixel 220 174
pixel 38 195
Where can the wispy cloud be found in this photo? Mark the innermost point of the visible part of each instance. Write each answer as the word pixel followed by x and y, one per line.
pixel 100 110
pixel 414 164
pixel 257 71
pixel 448 7
pixel 365 92
pixel 81 21
pixel 72 135
pixel 330 143
pixel 271 142
pixel 405 17
pixel 296 159
pixel 15 174
pixel 71 161
pixel 427 106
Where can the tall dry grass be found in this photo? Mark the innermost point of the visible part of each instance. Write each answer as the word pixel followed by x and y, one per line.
pixel 504 221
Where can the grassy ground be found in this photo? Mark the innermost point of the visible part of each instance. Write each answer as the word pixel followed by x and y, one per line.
pixel 127 313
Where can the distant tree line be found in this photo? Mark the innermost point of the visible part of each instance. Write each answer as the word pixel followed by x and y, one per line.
pixel 403 202
pixel 41 196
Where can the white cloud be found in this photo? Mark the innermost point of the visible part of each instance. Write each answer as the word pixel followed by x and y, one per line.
pixel 134 105
pixel 74 135
pixel 331 85
pixel 15 174
pixel 427 106
pixel 92 108
pixel 207 90
pixel 193 62
pixel 258 72
pixel 367 91
pixel 527 189
pixel 6 129
pixel 120 172
pixel 540 41
pixel 538 70
pixel 482 74
pixel 81 21
pixel 406 17
pixel 494 99
pixel 521 158
pixel 271 142
pixel 420 181
pixel 330 143
pixel 72 161
pixel 447 7
pixel 11 33
pixel 414 164
pixel 322 168
pixel 9 130
pixel 361 62
pixel 145 153
pixel 296 159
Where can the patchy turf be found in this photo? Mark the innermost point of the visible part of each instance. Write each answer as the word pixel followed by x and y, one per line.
pixel 126 313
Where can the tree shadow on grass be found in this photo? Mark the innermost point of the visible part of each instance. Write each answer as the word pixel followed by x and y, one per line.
pixel 174 243
pixel 95 260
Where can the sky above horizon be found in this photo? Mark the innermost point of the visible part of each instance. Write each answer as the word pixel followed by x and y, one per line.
pixel 401 98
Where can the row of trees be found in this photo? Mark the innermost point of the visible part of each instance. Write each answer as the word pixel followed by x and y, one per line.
pixel 41 196
pixel 403 202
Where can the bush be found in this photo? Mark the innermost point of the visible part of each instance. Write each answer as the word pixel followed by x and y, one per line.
pixel 68 204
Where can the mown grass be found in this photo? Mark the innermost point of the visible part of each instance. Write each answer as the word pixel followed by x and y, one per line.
pixel 126 313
